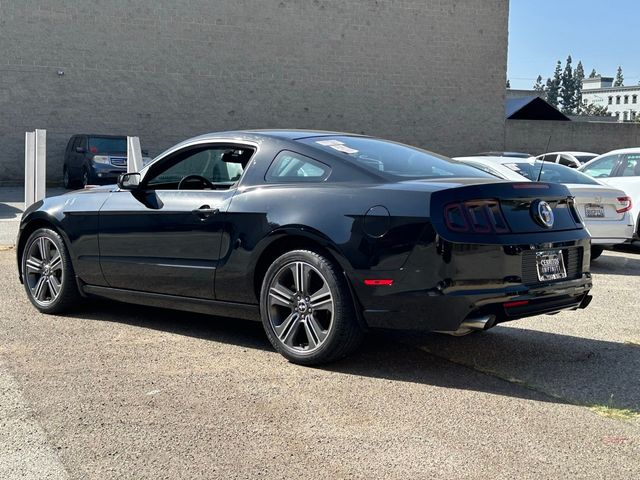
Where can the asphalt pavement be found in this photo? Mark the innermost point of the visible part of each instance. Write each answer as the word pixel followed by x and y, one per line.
pixel 11 208
pixel 121 391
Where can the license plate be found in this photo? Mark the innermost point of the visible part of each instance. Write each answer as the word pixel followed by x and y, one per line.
pixel 594 211
pixel 550 265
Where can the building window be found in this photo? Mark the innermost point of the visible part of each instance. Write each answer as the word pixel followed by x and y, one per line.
pixel 610 100
pixel 626 116
pixel 633 116
pixel 618 100
pixel 626 99
pixel 634 99
pixel 618 115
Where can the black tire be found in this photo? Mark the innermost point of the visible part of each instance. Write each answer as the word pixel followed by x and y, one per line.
pixel 68 295
pixel 85 178
pixel 342 336
pixel 596 251
pixel 67 181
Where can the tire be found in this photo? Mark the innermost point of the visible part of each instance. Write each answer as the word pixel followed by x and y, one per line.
pixel 49 278
pixel 596 251
pixel 68 182
pixel 304 330
pixel 84 179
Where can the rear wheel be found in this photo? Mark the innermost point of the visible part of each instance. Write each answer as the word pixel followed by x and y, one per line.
pixel 47 272
pixel 307 310
pixel 596 251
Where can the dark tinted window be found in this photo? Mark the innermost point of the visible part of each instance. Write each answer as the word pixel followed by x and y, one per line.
pixel 551 172
pixel 107 145
pixel 294 167
pixel 393 159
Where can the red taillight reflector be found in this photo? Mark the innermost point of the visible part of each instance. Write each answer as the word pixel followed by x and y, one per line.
pixel 475 216
pixel 520 303
pixel 520 186
pixel 378 282
pixel 625 203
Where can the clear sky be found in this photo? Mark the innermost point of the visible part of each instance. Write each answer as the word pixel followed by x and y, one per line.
pixel 603 34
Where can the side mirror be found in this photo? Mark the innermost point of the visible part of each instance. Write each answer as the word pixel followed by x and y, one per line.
pixel 129 181
pixel 81 150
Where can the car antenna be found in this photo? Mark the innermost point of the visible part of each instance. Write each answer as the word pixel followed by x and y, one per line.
pixel 546 150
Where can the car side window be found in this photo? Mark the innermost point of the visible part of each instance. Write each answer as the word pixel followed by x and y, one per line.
pixel 630 165
pixel 295 167
pixel 602 168
pixel 217 167
pixel 566 161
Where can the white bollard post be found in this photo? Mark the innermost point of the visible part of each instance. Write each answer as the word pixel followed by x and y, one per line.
pixel 29 169
pixel 41 165
pixel 134 155
pixel 35 167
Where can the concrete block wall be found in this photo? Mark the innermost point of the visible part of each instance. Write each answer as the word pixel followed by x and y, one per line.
pixel 429 73
pixel 532 136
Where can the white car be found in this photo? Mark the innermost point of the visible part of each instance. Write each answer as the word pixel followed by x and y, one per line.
pixel 568 159
pixel 620 169
pixel 604 210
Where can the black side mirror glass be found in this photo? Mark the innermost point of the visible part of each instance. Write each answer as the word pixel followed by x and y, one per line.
pixel 129 181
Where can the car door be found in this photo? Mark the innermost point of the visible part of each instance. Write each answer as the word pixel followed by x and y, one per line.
pixel 165 237
pixel 626 177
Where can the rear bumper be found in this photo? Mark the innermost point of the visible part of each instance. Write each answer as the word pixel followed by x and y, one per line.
pixel 610 232
pixel 447 311
pixel 443 284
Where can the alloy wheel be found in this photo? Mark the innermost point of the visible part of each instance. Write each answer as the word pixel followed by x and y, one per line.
pixel 300 307
pixel 43 271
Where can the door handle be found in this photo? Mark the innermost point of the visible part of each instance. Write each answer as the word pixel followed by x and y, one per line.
pixel 205 211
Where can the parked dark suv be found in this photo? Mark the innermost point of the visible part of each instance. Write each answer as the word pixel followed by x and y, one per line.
pixel 94 159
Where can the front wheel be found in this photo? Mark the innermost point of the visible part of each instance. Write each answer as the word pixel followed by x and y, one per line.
pixel 47 272
pixel 307 310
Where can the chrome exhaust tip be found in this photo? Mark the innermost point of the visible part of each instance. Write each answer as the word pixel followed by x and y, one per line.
pixel 473 325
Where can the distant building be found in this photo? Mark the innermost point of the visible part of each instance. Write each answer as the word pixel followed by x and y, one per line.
pixel 621 102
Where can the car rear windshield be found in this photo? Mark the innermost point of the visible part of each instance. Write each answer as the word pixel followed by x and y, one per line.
pixel 107 145
pixel 393 159
pixel 551 173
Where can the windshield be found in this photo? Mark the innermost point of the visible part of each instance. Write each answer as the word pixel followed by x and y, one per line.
pixel 585 158
pixel 107 145
pixel 551 173
pixel 393 159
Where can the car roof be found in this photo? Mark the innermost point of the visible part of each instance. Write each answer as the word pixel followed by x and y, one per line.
pixel 498 160
pixel 568 152
pixel 622 150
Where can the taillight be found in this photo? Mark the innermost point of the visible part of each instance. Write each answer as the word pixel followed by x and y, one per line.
pixel 475 216
pixel 625 204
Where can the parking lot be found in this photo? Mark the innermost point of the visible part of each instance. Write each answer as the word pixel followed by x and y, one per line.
pixel 121 391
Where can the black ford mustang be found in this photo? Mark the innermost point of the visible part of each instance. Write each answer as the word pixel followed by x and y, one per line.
pixel 319 235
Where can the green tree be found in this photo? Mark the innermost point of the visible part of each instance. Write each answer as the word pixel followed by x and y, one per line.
pixel 593 110
pixel 619 78
pixel 539 87
pixel 578 77
pixel 508 83
pixel 553 85
pixel 593 73
pixel 567 88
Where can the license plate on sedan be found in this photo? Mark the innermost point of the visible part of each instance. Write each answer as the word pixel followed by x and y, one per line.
pixel 592 210
pixel 550 265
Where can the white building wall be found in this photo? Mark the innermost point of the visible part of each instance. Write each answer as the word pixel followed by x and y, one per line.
pixel 621 102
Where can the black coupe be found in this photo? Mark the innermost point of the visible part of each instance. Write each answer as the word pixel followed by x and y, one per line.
pixel 319 235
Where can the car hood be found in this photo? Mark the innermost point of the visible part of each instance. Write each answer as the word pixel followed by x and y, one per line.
pixel 93 189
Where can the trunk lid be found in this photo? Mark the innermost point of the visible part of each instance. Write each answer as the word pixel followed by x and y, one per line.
pixel 597 202
pixel 477 211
